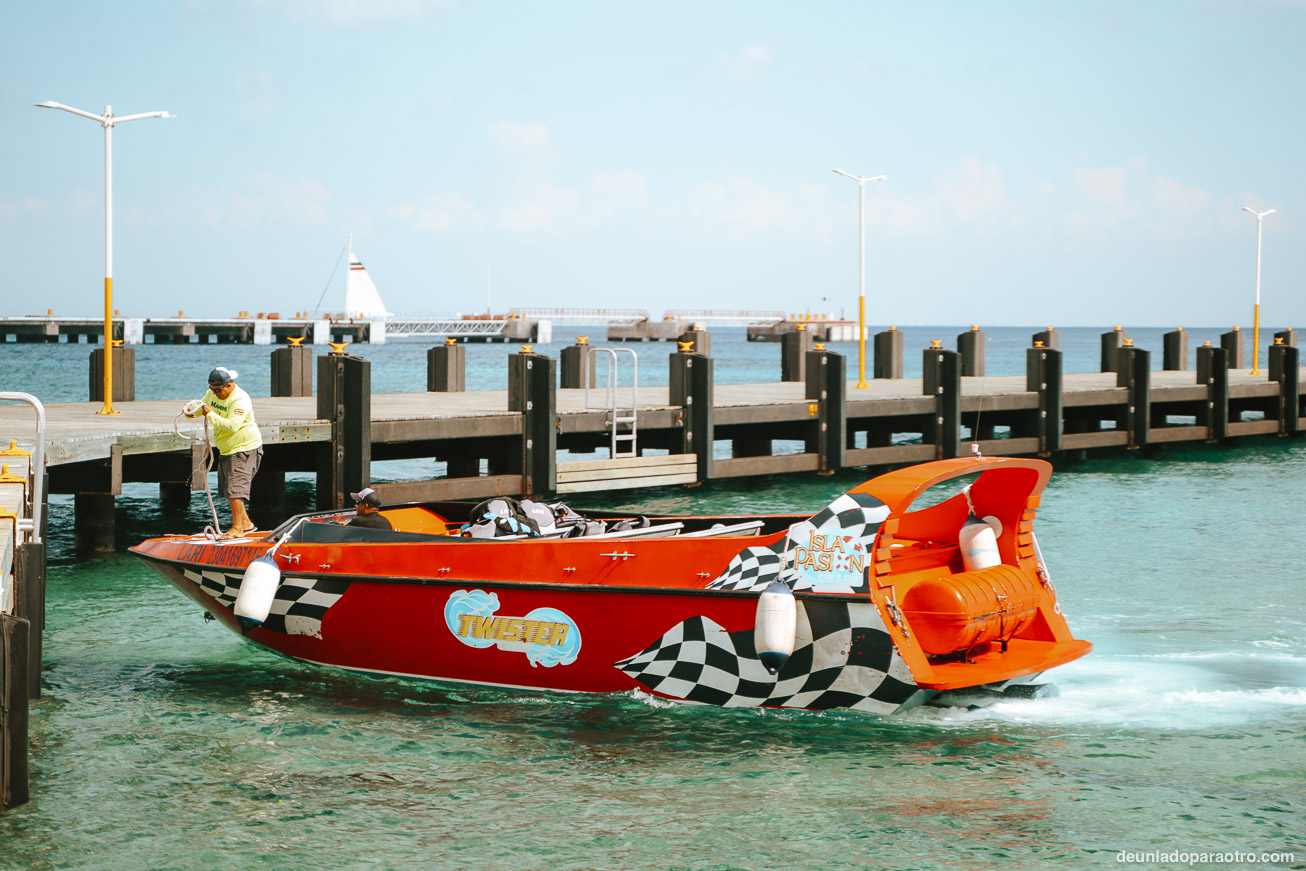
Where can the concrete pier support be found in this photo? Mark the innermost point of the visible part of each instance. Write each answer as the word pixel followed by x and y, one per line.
pixel 124 375
pixel 1289 337
pixel 344 396
pixel 578 364
pixel 1174 351
pixel 1112 342
pixel 691 388
pixel 532 391
pixel 827 386
pixel 93 522
pixel 888 354
pixel 1049 337
pixel 941 369
pixel 971 347
pixel 446 368
pixel 1234 344
pixel 794 347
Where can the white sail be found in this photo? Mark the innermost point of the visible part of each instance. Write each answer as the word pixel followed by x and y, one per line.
pixel 362 300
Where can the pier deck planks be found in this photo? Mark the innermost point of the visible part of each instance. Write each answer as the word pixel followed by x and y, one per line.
pixel 76 434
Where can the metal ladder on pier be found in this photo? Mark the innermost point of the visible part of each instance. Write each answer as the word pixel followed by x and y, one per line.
pixel 619 415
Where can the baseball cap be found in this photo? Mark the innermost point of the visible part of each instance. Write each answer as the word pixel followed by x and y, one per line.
pixel 222 375
pixel 367 495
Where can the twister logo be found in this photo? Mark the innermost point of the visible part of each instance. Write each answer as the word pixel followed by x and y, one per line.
pixel 831 560
pixel 547 636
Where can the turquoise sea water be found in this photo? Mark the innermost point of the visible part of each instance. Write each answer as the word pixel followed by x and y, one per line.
pixel 164 742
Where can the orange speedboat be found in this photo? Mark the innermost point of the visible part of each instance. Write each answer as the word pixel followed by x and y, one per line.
pixel 872 603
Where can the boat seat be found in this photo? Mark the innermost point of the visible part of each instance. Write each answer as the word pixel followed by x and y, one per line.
pixel 725 530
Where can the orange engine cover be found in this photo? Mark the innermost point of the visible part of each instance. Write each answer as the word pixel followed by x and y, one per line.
pixel 957 612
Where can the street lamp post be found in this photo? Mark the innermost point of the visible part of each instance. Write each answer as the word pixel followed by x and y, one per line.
pixel 861 270
pixel 107 121
pixel 1256 310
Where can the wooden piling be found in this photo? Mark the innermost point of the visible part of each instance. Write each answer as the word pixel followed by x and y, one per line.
pixel 1134 373
pixel 1049 337
pixel 794 346
pixel 827 387
pixel 1174 350
pixel 29 604
pixel 532 391
pixel 93 522
pixel 888 354
pixel 1112 342
pixel 1234 343
pixel 578 364
pixel 701 338
pixel 15 668
pixel 1043 376
pixel 941 369
pixel 446 368
pixel 292 371
pixel 124 374
pixel 1284 367
pixel 971 347
pixel 691 388
pixel 344 397
pixel 1213 372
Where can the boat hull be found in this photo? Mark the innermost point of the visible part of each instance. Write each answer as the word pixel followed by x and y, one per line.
pixel 883 603
pixel 690 645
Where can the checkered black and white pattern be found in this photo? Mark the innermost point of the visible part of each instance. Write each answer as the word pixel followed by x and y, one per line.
pixel 843 658
pixel 858 515
pixel 297 608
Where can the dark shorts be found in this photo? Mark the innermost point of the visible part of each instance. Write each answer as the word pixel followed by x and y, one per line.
pixel 236 473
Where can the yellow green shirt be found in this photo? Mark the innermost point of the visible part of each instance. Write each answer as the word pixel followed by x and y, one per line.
pixel 234 429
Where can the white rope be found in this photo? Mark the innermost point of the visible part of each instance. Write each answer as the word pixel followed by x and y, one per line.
pixel 213 532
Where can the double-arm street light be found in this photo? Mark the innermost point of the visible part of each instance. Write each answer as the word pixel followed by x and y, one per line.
pixel 1256 311
pixel 861 270
pixel 107 121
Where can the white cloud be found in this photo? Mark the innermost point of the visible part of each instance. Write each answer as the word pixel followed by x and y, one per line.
pixel 260 200
pixel 748 62
pixel 742 208
pixel 1110 184
pixel 524 144
pixel 544 209
pixel 972 189
pixel 618 192
pixel 440 213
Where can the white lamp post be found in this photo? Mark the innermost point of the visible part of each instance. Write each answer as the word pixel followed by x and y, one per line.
pixel 861 270
pixel 1256 311
pixel 107 121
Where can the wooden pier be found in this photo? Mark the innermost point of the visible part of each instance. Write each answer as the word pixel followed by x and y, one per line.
pixel 535 437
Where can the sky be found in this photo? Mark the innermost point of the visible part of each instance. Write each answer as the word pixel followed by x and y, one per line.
pixel 1049 164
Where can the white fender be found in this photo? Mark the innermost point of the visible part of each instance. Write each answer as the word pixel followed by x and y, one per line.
pixel 979 545
pixel 257 590
pixel 776 626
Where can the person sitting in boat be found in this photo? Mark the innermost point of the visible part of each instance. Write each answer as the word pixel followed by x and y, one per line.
pixel 240 445
pixel 367 510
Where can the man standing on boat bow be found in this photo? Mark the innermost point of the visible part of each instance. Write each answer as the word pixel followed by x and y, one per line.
pixel 239 442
